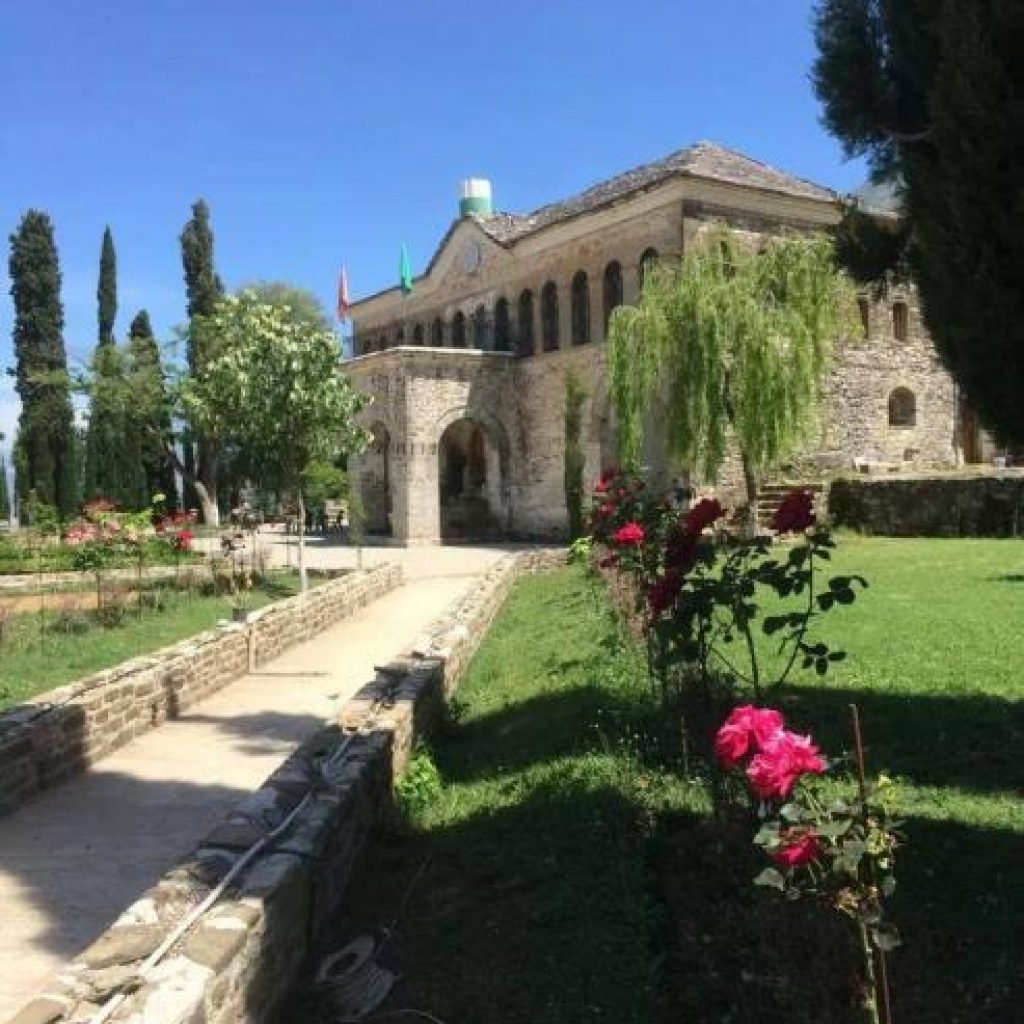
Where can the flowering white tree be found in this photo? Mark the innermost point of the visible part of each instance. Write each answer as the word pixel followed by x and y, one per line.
pixel 273 387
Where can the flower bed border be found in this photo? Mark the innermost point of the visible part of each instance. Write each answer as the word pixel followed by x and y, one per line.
pixel 62 732
pixel 244 956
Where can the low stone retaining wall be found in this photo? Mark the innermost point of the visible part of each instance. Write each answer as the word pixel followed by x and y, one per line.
pixel 63 731
pixel 974 506
pixel 246 953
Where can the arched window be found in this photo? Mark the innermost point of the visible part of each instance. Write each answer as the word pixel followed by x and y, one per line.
pixel 580 308
pixel 459 330
pixel 437 332
pixel 900 321
pixel 502 326
pixel 480 328
pixel 864 307
pixel 526 340
pixel 383 342
pixel 549 316
pixel 902 408
pixel 417 334
pixel 612 294
pixel 400 336
pixel 647 260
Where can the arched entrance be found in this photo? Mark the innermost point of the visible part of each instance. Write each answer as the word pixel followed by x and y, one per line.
pixel 376 481
pixel 473 489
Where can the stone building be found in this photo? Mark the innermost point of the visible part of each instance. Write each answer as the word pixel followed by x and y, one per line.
pixel 468 368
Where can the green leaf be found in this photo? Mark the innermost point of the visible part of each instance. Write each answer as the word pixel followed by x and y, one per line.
pixel 771 878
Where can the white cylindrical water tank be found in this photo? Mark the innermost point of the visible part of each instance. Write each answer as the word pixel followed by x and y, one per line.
pixel 476 197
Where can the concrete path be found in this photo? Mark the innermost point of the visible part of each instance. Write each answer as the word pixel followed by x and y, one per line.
pixel 76 856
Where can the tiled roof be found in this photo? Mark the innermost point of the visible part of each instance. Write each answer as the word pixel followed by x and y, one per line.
pixel 702 160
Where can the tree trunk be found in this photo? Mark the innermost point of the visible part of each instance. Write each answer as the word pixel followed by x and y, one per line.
pixel 207 504
pixel 753 486
pixel 206 494
pixel 303 580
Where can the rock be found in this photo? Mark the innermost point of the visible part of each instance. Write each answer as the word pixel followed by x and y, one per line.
pixel 123 945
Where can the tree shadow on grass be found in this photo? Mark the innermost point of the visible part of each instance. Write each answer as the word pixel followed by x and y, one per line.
pixel 539 730
pixel 532 913
pixel 970 742
pixel 743 954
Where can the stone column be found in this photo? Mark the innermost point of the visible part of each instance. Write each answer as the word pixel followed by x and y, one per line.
pixel 417 518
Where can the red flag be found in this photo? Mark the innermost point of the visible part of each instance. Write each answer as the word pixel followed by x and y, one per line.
pixel 343 300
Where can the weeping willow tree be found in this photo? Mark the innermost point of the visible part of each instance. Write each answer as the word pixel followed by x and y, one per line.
pixel 729 344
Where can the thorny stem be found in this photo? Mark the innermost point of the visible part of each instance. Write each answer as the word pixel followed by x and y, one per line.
pixel 798 637
pixel 870 951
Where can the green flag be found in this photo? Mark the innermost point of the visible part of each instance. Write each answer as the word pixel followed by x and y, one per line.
pixel 405 271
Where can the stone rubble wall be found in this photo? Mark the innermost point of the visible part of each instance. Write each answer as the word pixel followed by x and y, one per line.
pixel 242 958
pixel 60 733
pixel 989 505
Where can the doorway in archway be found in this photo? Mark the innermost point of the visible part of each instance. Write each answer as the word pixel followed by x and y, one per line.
pixel 472 473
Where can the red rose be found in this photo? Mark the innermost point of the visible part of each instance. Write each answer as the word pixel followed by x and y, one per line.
pixel 782 761
pixel 183 540
pixel 681 551
pixel 662 594
pixel 795 514
pixel 797 852
pixel 703 515
pixel 629 536
pixel 601 486
pixel 746 730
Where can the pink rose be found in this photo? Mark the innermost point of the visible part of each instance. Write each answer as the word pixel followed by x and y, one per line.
pixel 629 536
pixel 782 761
pixel 747 730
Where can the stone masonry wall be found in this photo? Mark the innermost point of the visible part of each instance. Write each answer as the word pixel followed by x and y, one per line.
pixel 989 505
pixel 244 955
pixel 63 731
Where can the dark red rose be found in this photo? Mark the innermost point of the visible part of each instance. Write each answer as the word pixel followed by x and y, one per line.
pixel 795 514
pixel 705 513
pixel 662 594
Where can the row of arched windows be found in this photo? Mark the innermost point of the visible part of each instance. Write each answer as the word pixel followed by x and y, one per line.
pixel 900 319
pixel 486 331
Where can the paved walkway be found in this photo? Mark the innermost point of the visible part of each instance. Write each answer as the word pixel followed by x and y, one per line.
pixel 76 856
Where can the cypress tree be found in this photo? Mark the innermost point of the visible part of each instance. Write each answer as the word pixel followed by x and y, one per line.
pixel 932 93
pixel 106 290
pixel 110 463
pixel 150 421
pixel 45 444
pixel 204 289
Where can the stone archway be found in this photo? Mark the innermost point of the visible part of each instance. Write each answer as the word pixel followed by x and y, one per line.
pixel 375 481
pixel 473 480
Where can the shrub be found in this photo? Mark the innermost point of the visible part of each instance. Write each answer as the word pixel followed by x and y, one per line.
pixel 420 785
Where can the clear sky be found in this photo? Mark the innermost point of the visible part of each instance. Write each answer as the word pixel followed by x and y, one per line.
pixel 330 131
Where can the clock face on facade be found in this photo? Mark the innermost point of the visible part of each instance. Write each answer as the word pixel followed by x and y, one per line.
pixel 472 256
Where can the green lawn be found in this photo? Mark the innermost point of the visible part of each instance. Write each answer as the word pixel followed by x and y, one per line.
pixel 36 654
pixel 568 879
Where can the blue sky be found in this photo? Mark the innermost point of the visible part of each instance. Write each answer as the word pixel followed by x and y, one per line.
pixel 325 131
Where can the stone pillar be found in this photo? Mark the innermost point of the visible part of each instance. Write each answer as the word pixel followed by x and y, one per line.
pixel 417 518
pixel 565 314
pixel 596 279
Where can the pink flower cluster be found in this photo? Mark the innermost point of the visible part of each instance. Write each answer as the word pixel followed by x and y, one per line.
pixel 778 757
pixel 85 531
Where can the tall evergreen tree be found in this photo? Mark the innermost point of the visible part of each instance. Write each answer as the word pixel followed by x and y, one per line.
pixel 932 93
pixel 45 444
pixel 111 465
pixel 106 290
pixel 204 289
pixel 149 425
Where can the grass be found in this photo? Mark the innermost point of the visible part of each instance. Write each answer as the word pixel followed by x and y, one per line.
pixel 534 905
pixel 37 654
pixel 569 878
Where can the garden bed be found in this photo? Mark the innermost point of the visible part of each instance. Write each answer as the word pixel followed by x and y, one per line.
pixel 565 871
pixel 52 639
